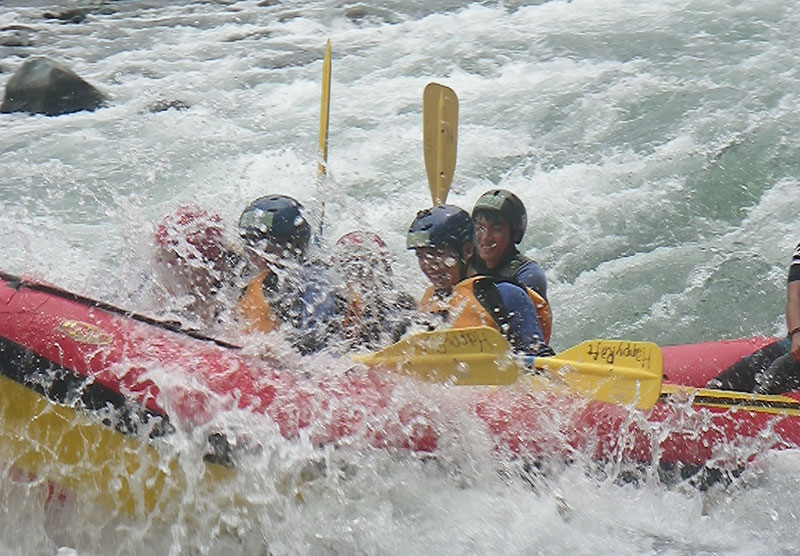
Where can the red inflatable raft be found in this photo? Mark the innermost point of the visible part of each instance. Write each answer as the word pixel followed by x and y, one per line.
pixel 78 390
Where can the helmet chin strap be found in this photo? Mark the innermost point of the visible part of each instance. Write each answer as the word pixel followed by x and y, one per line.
pixel 518 233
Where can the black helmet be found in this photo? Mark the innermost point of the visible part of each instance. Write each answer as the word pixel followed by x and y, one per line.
pixel 276 218
pixel 440 226
pixel 510 208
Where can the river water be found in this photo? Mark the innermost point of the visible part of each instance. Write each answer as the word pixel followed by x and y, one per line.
pixel 655 147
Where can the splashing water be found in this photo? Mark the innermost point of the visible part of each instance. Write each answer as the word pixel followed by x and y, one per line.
pixel 653 146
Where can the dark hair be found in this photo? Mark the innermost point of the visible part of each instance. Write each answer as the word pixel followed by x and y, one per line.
pixel 491 216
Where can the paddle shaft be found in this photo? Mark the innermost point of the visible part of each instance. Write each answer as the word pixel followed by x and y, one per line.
pixel 553 364
pixel 324 113
pixel 726 399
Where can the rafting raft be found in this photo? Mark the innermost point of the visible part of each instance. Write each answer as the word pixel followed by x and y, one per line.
pixel 82 407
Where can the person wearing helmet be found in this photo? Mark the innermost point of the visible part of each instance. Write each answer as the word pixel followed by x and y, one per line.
pixel 442 238
pixel 500 222
pixel 376 310
pixel 275 225
pixel 288 289
pixel 194 265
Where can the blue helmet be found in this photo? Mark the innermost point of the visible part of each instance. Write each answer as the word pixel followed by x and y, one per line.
pixel 276 218
pixel 508 206
pixel 440 226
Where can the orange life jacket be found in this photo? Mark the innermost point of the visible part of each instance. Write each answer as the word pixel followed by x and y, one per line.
pixel 255 308
pixel 461 307
pixel 465 310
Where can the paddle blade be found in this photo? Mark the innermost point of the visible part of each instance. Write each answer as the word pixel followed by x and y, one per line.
pixel 324 112
pixel 614 371
pixel 467 356
pixel 440 134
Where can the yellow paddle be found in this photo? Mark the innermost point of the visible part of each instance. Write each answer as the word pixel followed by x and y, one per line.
pixel 726 399
pixel 439 137
pixel 615 371
pixel 324 113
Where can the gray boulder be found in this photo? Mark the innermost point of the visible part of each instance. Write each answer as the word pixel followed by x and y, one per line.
pixel 42 86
